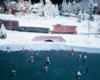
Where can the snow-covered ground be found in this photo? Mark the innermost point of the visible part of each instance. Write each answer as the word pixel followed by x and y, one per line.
pixel 16 40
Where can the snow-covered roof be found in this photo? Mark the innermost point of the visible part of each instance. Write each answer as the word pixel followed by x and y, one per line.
pixel 59 25
pixel 37 5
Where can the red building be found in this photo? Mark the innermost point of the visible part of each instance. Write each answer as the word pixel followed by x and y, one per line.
pixel 1 10
pixel 64 29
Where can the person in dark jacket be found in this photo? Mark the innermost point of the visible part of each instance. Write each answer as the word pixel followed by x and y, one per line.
pixel 87 69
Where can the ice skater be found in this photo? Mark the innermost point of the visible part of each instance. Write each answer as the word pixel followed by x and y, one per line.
pixel 31 58
pixel 79 57
pixel 46 68
pixel 85 58
pixel 32 51
pixel 87 69
pixel 23 49
pixel 48 61
pixel 7 49
pixel 78 74
pixel 38 53
pixel 13 71
pixel 72 51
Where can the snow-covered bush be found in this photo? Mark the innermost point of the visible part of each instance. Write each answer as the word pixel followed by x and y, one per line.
pixel 83 16
pixel 90 10
pixel 3 34
pixel 79 17
pixel 16 14
pixel 6 12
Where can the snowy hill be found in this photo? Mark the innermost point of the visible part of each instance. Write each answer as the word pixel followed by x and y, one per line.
pixel 16 40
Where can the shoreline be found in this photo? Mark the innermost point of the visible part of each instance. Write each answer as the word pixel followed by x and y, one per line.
pixel 48 47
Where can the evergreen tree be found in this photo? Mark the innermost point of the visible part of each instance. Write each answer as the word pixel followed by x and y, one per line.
pixel 42 3
pixel 73 6
pixel 90 10
pixel 79 16
pixel 83 16
pixel 69 8
pixel 60 6
pixel 3 34
pixel 56 11
pixel 77 10
pixel 64 5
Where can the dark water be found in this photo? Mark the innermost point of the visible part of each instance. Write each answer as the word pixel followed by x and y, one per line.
pixel 63 66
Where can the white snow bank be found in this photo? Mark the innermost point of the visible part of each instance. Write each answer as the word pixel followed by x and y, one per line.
pixel 49 46
pixel 17 40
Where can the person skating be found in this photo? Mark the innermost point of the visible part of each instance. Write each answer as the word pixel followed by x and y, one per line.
pixel 23 49
pixel 7 49
pixel 48 61
pixel 31 58
pixel 38 53
pixel 87 69
pixel 46 68
pixel 79 57
pixel 85 58
pixel 32 51
pixel 13 71
pixel 72 51
pixel 78 74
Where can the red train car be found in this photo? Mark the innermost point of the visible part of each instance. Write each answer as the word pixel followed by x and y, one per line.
pixel 10 24
pixel 64 29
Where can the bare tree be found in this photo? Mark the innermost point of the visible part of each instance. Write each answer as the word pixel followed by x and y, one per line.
pixel 99 28
pixel 89 28
pixel 98 24
pixel 6 4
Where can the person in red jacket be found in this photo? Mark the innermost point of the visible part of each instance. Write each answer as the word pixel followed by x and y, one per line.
pixel 23 49
pixel 72 51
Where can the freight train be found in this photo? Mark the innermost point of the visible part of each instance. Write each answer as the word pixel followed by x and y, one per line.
pixel 14 25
